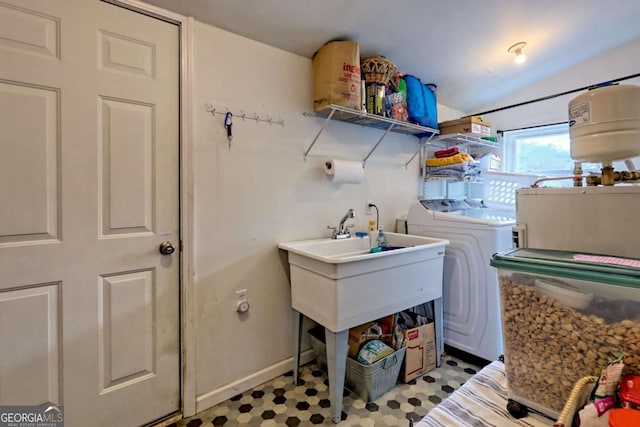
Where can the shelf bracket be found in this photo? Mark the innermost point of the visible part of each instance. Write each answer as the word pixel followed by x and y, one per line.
pixel 324 124
pixel 406 166
pixel 348 115
pixel 364 161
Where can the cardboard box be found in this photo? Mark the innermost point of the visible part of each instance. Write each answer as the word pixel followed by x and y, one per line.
pixel 361 334
pixel 420 357
pixel 357 337
pixel 473 125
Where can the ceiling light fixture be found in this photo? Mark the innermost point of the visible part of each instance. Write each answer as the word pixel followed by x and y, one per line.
pixel 517 50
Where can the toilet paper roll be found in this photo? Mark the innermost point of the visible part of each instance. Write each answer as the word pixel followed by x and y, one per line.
pixel 344 171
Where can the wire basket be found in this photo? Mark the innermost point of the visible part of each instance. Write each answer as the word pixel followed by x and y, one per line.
pixel 377 69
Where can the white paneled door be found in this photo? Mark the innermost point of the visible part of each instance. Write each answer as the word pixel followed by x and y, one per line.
pixel 89 143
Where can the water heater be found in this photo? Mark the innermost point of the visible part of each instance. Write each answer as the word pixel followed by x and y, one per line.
pixel 604 124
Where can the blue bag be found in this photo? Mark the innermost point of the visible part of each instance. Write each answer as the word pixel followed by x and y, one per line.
pixel 421 102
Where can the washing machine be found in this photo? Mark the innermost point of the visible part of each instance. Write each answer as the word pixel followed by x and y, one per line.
pixel 471 298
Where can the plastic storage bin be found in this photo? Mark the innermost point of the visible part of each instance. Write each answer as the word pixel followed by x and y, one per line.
pixel 564 317
pixel 367 381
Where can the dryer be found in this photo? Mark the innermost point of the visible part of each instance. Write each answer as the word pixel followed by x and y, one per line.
pixel 471 299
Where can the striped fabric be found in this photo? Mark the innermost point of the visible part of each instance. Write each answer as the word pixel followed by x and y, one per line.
pixel 480 402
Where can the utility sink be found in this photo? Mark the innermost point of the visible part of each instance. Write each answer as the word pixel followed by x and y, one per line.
pixel 339 283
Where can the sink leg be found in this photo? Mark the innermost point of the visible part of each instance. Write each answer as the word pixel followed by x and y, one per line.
pixel 439 327
pixel 337 349
pixel 297 337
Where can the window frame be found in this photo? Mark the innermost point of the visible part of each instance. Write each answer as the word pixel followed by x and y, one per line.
pixel 510 138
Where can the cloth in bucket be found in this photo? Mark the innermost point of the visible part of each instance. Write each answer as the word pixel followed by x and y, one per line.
pixel 373 351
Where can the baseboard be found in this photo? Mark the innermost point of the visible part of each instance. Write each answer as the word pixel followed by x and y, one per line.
pixel 212 398
pixel 167 421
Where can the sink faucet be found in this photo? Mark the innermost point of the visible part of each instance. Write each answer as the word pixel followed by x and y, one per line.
pixel 342 230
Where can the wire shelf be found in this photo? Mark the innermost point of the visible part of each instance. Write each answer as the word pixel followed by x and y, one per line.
pixel 348 115
pixel 372 120
pixel 469 141
pixel 465 178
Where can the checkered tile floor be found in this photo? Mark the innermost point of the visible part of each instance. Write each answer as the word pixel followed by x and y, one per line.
pixel 280 403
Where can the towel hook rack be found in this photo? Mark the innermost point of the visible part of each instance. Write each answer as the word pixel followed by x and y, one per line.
pixel 213 110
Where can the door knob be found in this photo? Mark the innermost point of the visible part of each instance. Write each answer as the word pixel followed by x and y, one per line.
pixel 167 248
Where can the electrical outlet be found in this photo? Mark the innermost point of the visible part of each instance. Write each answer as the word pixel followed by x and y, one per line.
pixel 242 295
pixel 369 209
pixel 242 302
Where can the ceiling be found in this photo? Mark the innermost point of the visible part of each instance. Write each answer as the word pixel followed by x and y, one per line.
pixel 461 45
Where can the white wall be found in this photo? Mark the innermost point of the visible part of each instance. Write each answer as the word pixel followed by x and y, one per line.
pixel 261 192
pixel 620 62
pixel 446 113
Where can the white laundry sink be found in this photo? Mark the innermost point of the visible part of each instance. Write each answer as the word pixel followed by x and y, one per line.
pixel 340 284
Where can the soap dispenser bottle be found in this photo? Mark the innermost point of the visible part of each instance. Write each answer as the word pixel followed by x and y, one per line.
pixel 373 234
pixel 382 239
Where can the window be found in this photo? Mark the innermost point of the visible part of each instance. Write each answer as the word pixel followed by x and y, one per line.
pixel 545 151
